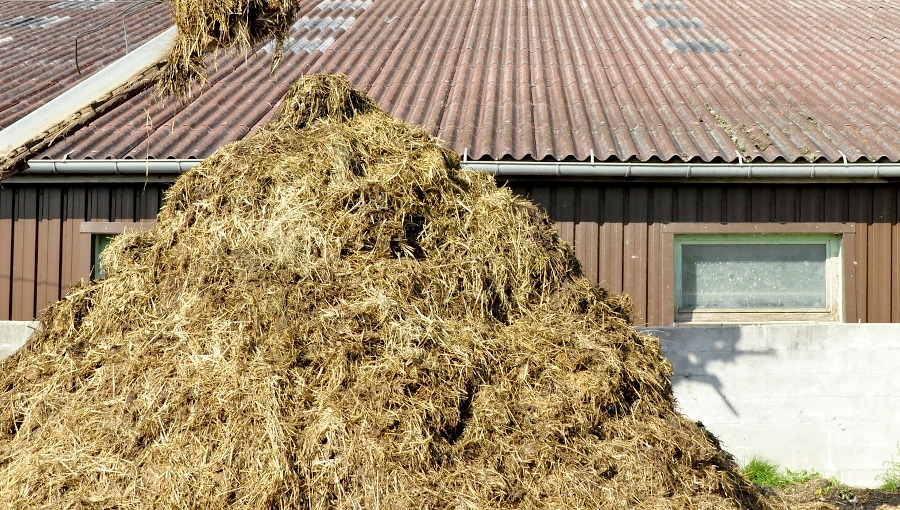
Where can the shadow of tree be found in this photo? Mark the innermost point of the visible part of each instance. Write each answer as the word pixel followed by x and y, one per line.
pixel 694 356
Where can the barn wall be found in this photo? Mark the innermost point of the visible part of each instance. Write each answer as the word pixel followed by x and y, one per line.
pixel 616 232
pixel 42 250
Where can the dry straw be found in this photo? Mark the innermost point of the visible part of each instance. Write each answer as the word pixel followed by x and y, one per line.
pixel 333 314
pixel 210 25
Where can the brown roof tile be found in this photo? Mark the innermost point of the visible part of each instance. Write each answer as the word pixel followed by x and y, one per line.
pixel 627 80
pixel 37 58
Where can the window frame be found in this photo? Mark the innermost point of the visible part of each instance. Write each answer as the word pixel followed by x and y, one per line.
pixel 94 229
pixel 842 306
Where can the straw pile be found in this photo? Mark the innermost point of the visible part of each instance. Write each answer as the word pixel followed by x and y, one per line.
pixel 210 25
pixel 333 314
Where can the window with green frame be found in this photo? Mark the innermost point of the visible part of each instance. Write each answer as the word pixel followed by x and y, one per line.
pixel 757 277
pixel 99 242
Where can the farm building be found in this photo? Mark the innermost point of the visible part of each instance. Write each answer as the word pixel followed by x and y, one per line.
pixel 732 168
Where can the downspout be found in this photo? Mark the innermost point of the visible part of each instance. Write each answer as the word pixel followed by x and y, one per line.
pixel 57 115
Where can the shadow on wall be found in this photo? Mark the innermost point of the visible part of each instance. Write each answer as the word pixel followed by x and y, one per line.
pixel 701 356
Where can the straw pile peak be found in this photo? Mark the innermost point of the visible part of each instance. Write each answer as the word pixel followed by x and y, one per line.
pixel 333 314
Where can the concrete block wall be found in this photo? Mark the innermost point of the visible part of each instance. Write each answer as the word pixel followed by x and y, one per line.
pixel 13 334
pixel 807 396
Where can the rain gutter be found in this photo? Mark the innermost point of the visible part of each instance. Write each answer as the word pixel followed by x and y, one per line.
pixel 102 170
pixel 167 170
pixel 751 171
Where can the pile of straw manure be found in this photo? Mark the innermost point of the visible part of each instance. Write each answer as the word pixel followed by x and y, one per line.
pixel 333 314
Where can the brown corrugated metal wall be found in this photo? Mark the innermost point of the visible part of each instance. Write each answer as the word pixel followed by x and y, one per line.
pixel 616 231
pixel 42 250
pixel 615 228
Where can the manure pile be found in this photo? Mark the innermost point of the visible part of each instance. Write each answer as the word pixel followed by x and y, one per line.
pixel 333 314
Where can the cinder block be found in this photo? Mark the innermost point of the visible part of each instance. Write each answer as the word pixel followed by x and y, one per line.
pixel 877 360
pixel 791 445
pixel 697 338
pixel 865 384
pixel 13 335
pixel 804 395
pixel 742 384
pixel 764 411
pixel 825 408
pixel 860 446
pixel 856 477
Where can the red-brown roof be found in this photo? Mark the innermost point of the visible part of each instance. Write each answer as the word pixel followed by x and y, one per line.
pixel 38 43
pixel 690 80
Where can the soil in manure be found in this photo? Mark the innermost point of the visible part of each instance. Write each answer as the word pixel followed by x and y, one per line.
pixel 333 314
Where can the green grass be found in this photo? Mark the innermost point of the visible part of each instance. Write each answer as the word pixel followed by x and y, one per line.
pixel 890 480
pixel 768 474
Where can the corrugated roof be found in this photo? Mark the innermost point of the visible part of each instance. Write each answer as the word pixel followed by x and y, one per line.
pixel 37 45
pixel 629 80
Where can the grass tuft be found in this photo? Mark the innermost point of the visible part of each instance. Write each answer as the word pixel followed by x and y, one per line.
pixel 766 473
pixel 890 480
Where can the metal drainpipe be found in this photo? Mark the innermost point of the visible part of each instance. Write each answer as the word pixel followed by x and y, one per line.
pixel 691 170
pixel 519 168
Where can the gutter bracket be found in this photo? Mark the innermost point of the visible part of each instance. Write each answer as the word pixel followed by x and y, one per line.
pixel 844 157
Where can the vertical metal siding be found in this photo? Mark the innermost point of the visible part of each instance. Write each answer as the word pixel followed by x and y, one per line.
pixel 7 199
pixel 612 238
pixel 661 212
pixel 634 263
pixel 49 246
pixel 617 230
pixel 860 211
pixel 24 254
pixel 586 232
pixel 879 256
pixel 42 251
pixel 895 262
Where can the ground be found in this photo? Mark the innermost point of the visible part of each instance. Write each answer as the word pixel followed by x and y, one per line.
pixel 822 494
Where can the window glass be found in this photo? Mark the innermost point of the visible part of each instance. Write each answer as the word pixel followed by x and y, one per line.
pixel 100 243
pixel 754 276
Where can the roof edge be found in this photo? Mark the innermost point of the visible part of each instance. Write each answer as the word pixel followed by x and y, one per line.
pixel 76 106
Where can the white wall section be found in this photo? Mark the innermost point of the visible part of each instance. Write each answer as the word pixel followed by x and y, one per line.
pixel 806 396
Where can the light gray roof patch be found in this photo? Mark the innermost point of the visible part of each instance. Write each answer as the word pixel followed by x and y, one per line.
pixel 32 22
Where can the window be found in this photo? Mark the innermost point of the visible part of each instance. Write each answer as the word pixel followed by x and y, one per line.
pixel 739 273
pixel 101 234
pixel 99 242
pixel 727 275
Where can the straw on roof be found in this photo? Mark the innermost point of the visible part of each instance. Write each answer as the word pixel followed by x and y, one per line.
pixel 333 314
pixel 210 25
